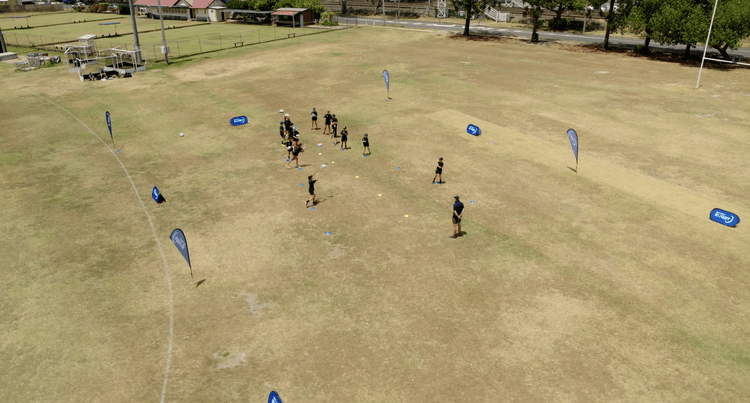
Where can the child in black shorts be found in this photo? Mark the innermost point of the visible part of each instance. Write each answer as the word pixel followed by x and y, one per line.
pixel 327 126
pixel 439 171
pixel 314 116
pixel 311 189
pixel 289 147
pixel 295 155
pixel 344 133
pixel 334 125
pixel 366 144
pixel 281 132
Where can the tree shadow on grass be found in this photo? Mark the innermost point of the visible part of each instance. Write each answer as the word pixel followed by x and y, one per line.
pixel 654 54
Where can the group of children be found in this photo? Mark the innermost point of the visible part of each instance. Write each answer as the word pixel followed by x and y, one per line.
pixel 290 139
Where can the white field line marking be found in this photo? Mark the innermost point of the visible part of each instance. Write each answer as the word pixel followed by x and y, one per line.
pixel 158 245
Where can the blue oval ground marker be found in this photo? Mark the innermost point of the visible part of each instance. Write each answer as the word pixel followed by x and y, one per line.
pixel 398 167
pixel 287 160
pixel 304 185
pixel 118 151
pixel 312 208
pixel 472 201
pixel 328 233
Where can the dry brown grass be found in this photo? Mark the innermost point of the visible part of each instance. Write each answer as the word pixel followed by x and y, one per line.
pixel 606 285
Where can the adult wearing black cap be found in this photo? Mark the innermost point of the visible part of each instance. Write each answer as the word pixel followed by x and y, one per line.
pixel 458 210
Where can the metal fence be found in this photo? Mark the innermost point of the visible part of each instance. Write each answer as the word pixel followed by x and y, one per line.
pixel 151 51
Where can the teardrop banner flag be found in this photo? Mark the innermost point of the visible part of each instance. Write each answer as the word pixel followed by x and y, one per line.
pixel 178 239
pixel 387 89
pixel 724 217
pixel 109 126
pixel 573 137
pixel 274 398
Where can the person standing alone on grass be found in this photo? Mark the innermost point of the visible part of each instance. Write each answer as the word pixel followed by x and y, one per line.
pixel 295 155
pixel 458 210
pixel 327 126
pixel 314 116
pixel 439 171
pixel 311 189
pixel 344 133
pixel 366 145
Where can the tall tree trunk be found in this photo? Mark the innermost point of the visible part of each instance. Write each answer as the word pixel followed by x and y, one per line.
pixel 687 51
pixel 468 7
pixel 609 22
pixel 723 51
pixel 536 13
pixel 645 44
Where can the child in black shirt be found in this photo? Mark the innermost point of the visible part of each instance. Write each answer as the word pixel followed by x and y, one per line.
pixel 344 133
pixel 366 144
pixel 439 171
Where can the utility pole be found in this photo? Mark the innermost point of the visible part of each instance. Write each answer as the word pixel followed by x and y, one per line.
pixel 136 44
pixel 164 48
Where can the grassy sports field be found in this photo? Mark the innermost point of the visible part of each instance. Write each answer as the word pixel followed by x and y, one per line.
pixel 189 38
pixel 9 20
pixel 609 284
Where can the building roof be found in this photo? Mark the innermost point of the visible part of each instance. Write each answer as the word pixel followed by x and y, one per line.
pixel 150 3
pixel 299 10
pixel 203 4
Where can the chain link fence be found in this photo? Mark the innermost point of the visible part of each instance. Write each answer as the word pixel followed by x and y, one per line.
pixel 151 51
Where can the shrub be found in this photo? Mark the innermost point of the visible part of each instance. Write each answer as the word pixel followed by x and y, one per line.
pixel 326 18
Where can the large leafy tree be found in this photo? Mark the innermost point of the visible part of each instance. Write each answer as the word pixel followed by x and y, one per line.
pixel 561 6
pixel 535 11
pixel 731 25
pixel 470 7
pixel 643 19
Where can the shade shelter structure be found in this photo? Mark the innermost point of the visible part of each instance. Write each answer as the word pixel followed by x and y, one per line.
pixel 255 15
pixel 294 17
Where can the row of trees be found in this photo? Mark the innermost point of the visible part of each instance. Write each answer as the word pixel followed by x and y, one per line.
pixel 270 5
pixel 673 22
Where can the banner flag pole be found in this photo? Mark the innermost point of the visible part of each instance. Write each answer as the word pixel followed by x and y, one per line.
pixel 178 239
pixel 109 126
pixel 573 138
pixel 386 77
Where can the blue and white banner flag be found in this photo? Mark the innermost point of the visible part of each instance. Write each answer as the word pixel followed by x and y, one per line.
pixel 385 77
pixel 178 239
pixel 573 137
pixel 155 194
pixel 473 130
pixel 239 120
pixel 724 217
pixel 109 125
pixel 274 398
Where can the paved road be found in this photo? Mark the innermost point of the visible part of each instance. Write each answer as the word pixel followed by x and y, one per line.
pixel 526 33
